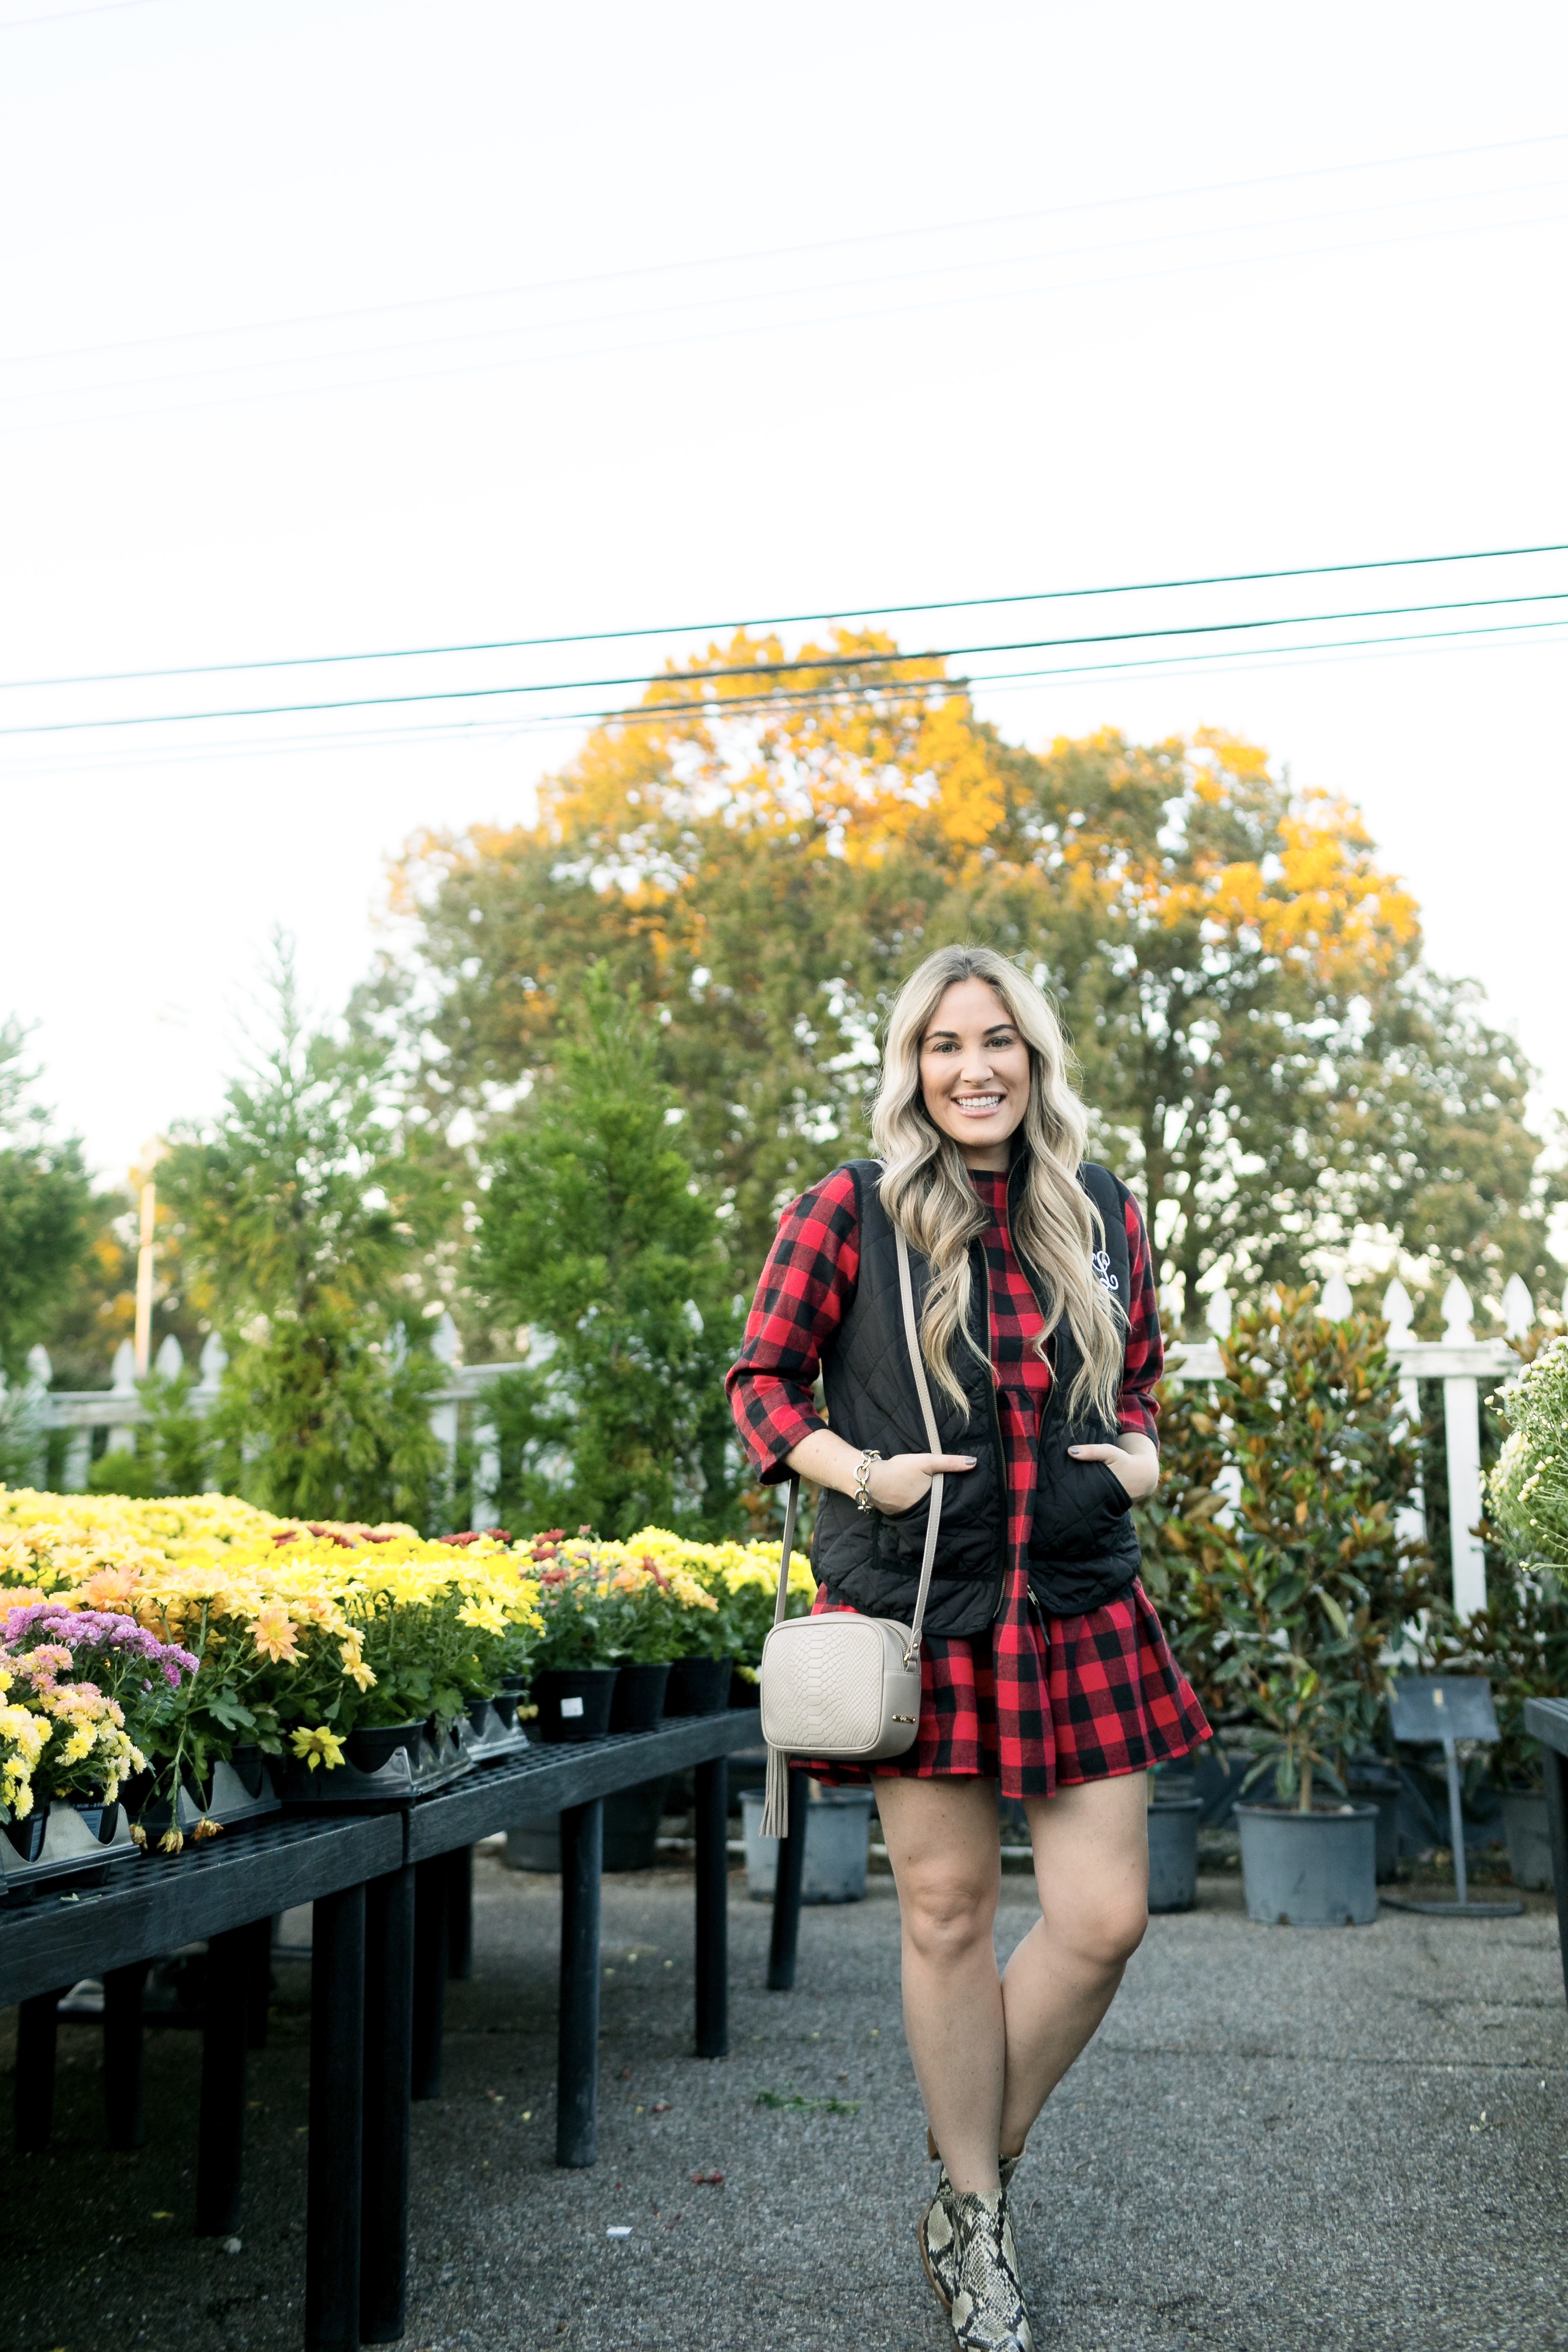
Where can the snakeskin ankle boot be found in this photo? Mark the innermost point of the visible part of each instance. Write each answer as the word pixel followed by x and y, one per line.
pixel 938 2233
pixel 988 2312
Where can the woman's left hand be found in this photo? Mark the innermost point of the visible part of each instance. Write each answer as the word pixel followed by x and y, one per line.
pixel 1136 1462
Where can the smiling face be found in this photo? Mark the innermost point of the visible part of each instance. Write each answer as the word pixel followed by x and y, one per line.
pixel 975 1073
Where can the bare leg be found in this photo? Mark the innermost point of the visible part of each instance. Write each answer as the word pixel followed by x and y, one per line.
pixel 1092 1867
pixel 943 1845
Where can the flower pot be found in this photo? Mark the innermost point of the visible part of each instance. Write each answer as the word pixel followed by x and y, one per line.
pixel 698 1686
pixel 516 1684
pixel 1173 1852
pixel 374 1745
pixel 1378 1784
pixel 632 1817
pixel 251 1766
pixel 28 1836
pixel 837 1842
pixel 1529 1840
pixel 1310 1870
pixel 741 1692
pixel 505 1706
pixel 638 1702
pixel 574 1702
pixel 480 1717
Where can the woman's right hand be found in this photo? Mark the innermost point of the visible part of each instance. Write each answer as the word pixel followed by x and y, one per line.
pixel 904 1479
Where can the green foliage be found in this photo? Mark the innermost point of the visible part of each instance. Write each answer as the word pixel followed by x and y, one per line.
pixel 43 1197
pixel 172 1450
pixel 594 1232
pixel 307 1218
pixel 1287 1600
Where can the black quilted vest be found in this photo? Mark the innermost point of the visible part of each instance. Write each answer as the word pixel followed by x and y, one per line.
pixel 1082 1548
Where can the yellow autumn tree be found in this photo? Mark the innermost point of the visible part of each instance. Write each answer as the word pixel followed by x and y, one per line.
pixel 769 844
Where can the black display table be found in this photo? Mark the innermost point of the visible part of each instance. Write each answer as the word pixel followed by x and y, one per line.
pixel 386 1931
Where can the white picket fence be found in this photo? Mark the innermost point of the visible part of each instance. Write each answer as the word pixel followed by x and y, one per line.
pixel 1459 1360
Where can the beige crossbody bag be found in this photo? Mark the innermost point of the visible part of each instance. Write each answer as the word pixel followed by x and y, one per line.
pixel 843 1688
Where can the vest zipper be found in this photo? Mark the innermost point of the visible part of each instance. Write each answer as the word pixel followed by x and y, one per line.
pixel 1001 1456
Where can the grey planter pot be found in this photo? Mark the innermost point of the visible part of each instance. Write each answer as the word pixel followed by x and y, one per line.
pixel 1528 1843
pixel 1173 1852
pixel 1310 1870
pixel 837 1845
pixel 632 1817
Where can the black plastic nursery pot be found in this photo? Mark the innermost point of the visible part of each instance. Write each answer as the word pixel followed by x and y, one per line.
pixel 744 1693
pixel 698 1686
pixel 574 1702
pixel 27 1835
pixel 1310 1870
pixel 638 1701
pixel 1378 1784
pixel 374 1745
pixel 505 1703
pixel 1173 1852
pixel 101 1820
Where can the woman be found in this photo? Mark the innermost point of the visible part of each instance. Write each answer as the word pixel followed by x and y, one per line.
pixel 1044 1669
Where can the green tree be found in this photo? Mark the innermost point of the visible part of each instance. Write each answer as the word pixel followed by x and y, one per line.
pixel 594 1232
pixel 1270 1061
pixel 309 1220
pixel 44 1196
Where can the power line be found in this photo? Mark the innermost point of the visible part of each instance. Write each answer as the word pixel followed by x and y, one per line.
pixel 845 694
pixel 773 253
pixel 775 620
pixel 839 662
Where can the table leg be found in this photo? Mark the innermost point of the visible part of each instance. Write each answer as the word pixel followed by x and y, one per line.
pixel 1557 1830
pixel 431 1881
pixel 712 1791
pixel 577 2054
pixel 388 2081
pixel 123 2117
pixel 262 1934
pixel 786 1892
pixel 337 2087
pixel 37 2023
pixel 460 1914
pixel 221 2137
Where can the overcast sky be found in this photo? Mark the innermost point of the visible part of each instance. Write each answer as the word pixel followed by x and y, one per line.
pixel 343 325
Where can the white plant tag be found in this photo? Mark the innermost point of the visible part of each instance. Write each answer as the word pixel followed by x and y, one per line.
pixel 571 1706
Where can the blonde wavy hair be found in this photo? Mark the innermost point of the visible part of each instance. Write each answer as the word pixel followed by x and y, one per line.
pixel 926 1190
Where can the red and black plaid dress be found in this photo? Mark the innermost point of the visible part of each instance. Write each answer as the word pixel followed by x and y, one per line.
pixel 1038 1703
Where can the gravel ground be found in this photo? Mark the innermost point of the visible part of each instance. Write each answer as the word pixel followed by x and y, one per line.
pixel 1280 2139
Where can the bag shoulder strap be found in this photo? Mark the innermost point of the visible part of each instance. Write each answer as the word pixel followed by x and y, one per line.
pixel 933 1441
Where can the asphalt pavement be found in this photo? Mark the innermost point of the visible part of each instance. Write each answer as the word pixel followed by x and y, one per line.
pixel 1336 2141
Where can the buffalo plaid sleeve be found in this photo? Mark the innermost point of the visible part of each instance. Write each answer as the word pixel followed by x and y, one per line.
pixel 807 1285
pixel 1138 1408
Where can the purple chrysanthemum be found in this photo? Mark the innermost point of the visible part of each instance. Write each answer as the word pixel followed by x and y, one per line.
pixel 100 1631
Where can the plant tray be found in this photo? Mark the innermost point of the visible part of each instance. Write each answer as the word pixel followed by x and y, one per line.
pixel 493 1741
pixel 434 1765
pixel 70 1855
pixel 231 1803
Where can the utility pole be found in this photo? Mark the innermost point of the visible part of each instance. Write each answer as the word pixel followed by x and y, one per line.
pixel 152 1152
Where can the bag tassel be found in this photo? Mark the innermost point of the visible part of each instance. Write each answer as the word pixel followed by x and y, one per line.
pixel 775 1800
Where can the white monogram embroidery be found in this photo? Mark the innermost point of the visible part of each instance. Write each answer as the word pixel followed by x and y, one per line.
pixel 1102 1272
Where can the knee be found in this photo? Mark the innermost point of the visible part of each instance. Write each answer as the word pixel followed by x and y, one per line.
pixel 1107 1930
pixel 946 1917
